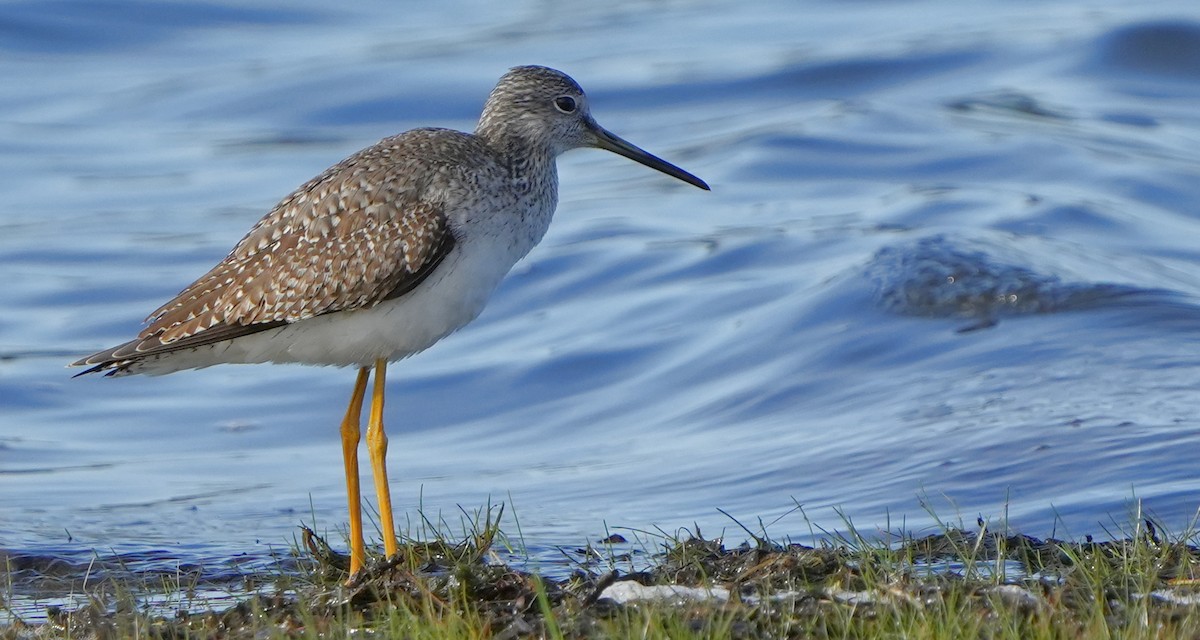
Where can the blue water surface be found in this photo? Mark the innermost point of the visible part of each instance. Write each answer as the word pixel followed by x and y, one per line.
pixel 949 263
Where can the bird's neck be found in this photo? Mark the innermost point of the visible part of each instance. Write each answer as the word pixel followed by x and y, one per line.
pixel 533 176
pixel 529 159
pixel 517 138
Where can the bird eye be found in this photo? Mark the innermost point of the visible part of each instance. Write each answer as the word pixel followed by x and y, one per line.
pixel 565 104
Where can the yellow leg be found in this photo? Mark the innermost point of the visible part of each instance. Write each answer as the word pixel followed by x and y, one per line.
pixel 350 435
pixel 377 446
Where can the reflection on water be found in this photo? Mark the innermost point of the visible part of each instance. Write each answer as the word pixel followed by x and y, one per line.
pixel 791 338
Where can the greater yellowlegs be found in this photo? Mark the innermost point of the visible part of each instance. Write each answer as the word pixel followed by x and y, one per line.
pixel 381 256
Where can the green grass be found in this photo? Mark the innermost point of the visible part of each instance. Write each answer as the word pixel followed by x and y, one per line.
pixel 984 582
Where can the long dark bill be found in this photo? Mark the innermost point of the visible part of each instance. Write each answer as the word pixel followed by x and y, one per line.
pixel 611 142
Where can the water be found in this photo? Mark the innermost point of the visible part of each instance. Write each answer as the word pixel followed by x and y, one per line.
pixel 949 261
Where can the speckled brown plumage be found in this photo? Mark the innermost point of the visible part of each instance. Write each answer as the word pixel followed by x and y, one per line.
pixel 372 229
pixel 381 256
pixel 356 235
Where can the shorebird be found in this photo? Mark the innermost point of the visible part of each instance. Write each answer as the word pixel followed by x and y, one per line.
pixel 381 256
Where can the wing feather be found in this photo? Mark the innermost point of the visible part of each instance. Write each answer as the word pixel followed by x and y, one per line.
pixel 350 238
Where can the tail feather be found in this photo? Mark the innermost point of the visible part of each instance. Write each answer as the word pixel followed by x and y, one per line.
pixel 121 358
pixel 104 361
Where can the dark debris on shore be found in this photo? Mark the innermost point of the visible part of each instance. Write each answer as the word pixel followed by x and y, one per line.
pixel 752 591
